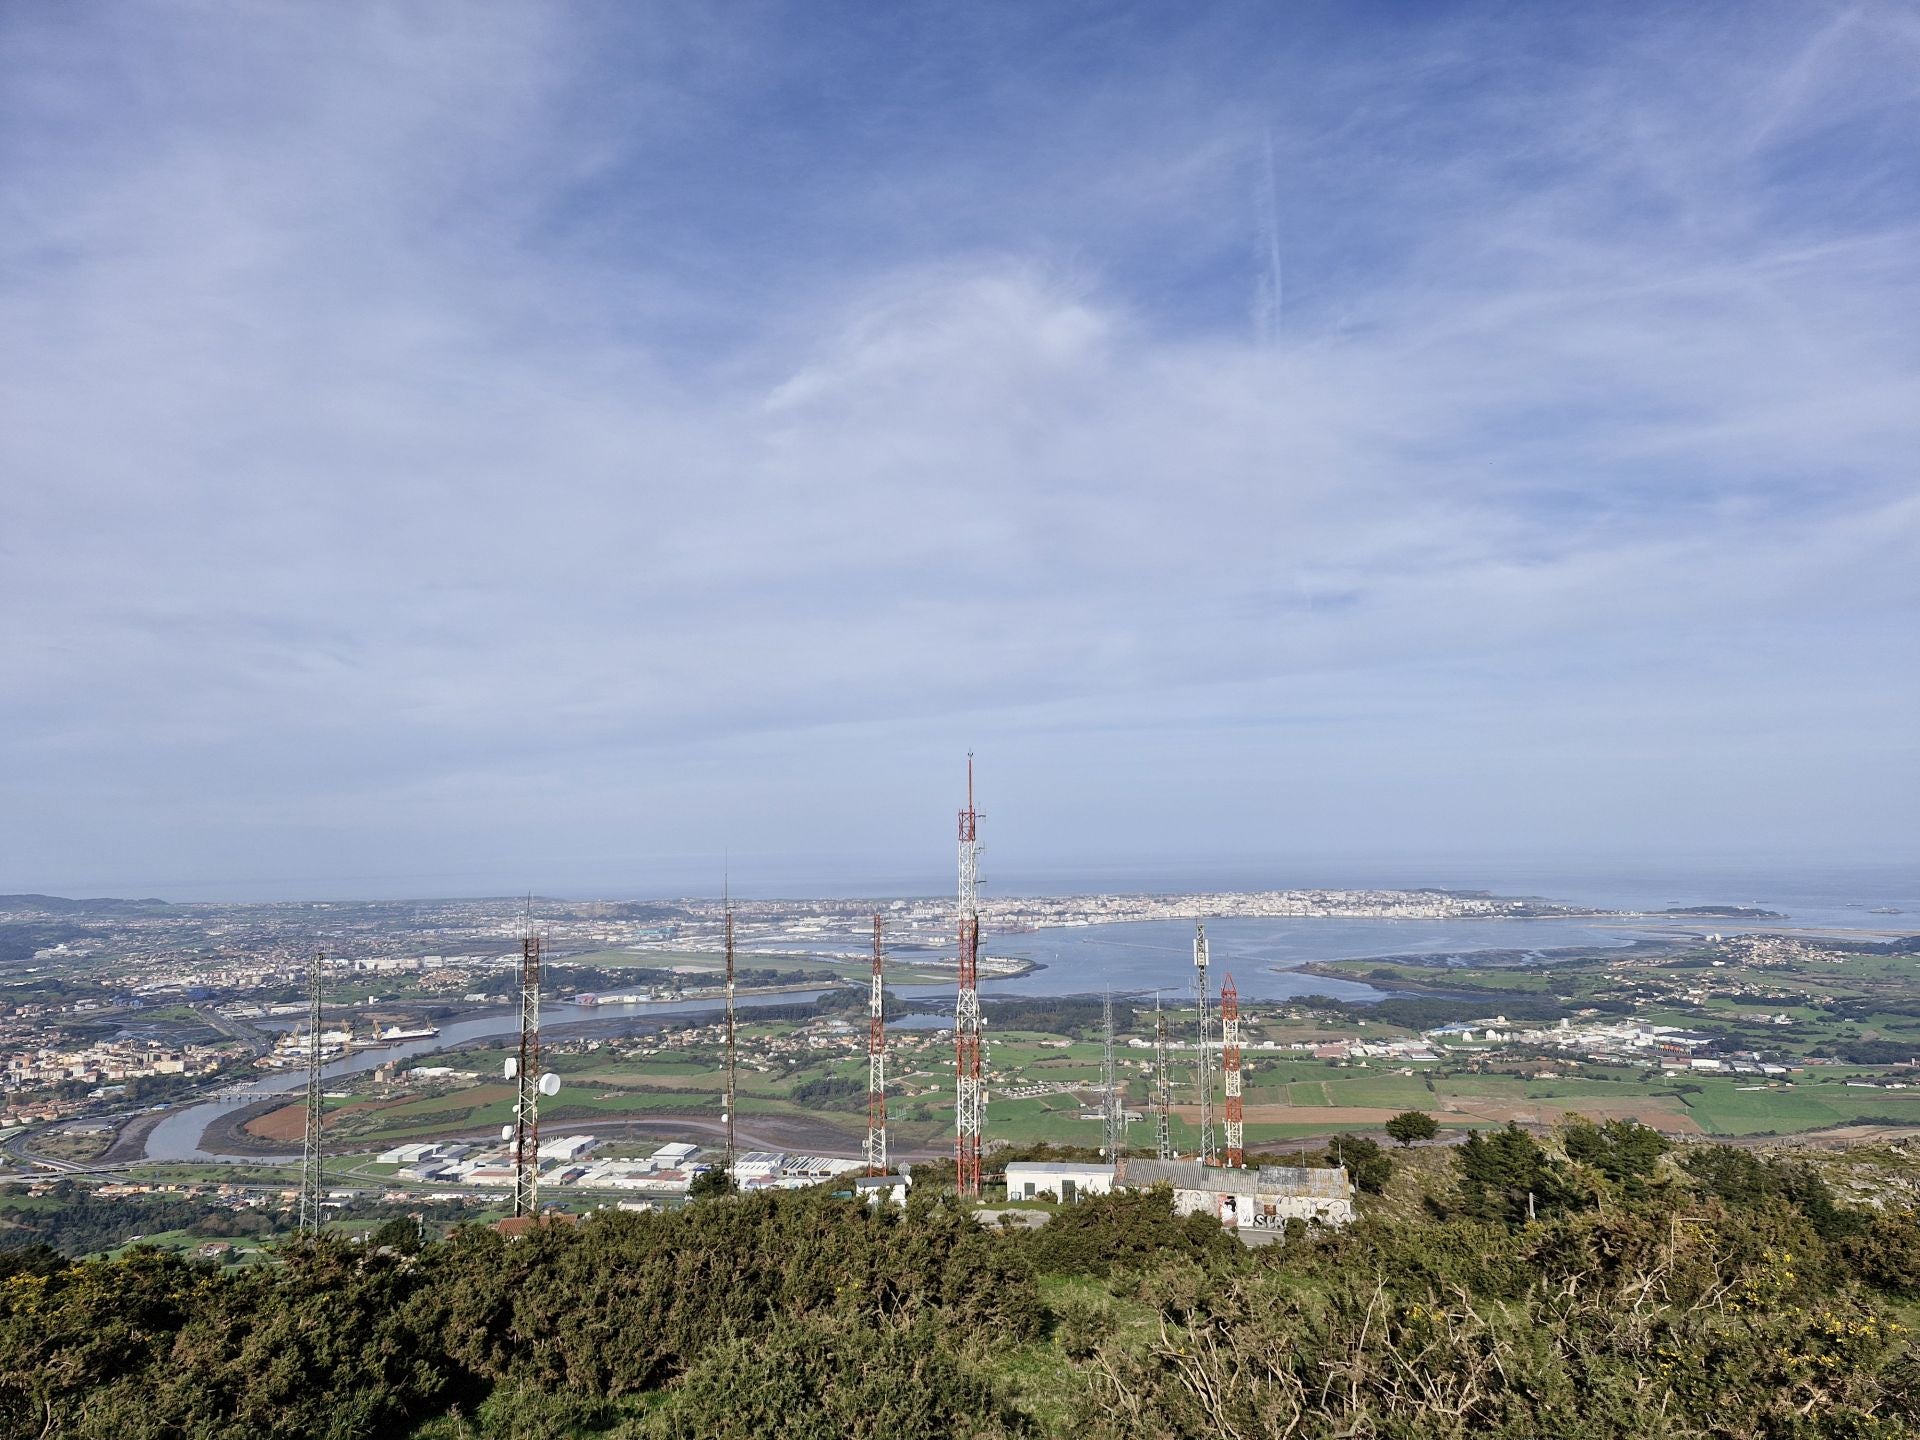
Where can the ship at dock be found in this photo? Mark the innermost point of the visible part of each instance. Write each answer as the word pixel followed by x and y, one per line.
pixel 397 1034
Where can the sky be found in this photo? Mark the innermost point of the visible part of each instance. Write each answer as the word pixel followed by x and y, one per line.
pixel 467 448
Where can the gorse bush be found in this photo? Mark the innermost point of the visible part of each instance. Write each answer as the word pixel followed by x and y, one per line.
pixel 1725 1296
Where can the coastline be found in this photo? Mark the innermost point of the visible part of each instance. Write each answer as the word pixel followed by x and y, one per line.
pixel 1440 963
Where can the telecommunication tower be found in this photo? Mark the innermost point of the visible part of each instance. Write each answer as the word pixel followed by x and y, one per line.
pixel 524 1071
pixel 877 1062
pixel 969 1091
pixel 1112 1111
pixel 1230 1065
pixel 726 1115
pixel 310 1194
pixel 1163 1085
pixel 1205 1076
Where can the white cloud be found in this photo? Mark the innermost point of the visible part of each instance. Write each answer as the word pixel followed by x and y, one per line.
pixel 386 459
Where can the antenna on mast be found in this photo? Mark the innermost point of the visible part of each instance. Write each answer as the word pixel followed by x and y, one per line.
pixel 1230 1063
pixel 529 1084
pixel 726 890
pixel 1206 1156
pixel 1163 1084
pixel 969 1091
pixel 877 1062
pixel 310 1194
pixel 1112 1111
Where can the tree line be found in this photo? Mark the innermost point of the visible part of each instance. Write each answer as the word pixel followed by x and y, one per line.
pixel 1594 1286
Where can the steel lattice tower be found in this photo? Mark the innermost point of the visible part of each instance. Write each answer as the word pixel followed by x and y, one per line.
pixel 1204 1078
pixel 1230 1065
pixel 1163 1085
pixel 727 1113
pixel 1111 1112
pixel 969 1089
pixel 877 1062
pixel 526 1105
pixel 310 1193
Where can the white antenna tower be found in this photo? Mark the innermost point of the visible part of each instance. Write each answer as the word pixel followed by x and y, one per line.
pixel 970 1095
pixel 877 1061
pixel 1111 1109
pixel 727 1116
pixel 1206 1042
pixel 1163 1083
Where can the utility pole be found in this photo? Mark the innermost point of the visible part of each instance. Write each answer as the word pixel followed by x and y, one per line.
pixel 969 1092
pixel 1163 1083
pixel 1205 1075
pixel 310 1192
pixel 877 1062
pixel 1230 1063
pixel 527 1080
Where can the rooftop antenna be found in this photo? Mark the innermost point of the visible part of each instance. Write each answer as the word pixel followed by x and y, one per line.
pixel 877 1061
pixel 310 1196
pixel 969 1093
pixel 1205 1078
pixel 1163 1083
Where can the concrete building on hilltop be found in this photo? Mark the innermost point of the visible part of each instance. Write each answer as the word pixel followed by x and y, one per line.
pixel 1061 1180
pixel 1258 1199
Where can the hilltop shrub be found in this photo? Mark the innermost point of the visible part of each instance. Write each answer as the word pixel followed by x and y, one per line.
pixel 826 1379
pixel 1743 1303
pixel 1125 1230
pixel 1506 1176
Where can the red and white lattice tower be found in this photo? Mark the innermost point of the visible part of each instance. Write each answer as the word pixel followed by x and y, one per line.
pixel 1230 1067
pixel 969 1090
pixel 877 1063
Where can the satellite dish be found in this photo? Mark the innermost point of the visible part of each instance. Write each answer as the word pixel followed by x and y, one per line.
pixel 513 1067
pixel 506 1132
pixel 550 1084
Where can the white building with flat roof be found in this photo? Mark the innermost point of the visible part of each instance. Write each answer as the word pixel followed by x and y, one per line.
pixel 1261 1199
pixel 1062 1180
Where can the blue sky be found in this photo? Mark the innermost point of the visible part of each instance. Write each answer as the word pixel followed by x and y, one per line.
pixel 469 448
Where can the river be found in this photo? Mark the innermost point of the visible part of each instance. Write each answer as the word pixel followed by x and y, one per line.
pixel 1137 958
pixel 178 1136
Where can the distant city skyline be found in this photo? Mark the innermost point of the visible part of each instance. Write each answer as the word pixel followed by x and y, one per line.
pixel 466 449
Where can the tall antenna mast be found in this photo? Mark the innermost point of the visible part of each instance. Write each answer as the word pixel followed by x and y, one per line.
pixel 1205 1079
pixel 877 1062
pixel 969 1094
pixel 310 1198
pixel 1163 1084
pixel 1111 1110
pixel 1230 1063
pixel 527 1079
pixel 727 1113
